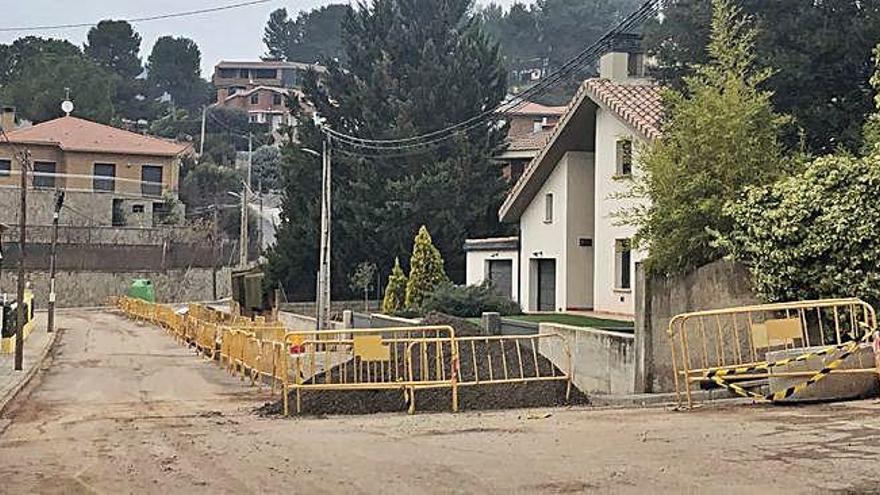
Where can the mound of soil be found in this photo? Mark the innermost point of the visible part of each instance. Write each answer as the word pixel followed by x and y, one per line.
pixel 490 362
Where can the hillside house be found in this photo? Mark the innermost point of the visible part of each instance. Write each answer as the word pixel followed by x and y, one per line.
pixel 112 177
pixel 572 252
pixel 530 126
pixel 261 88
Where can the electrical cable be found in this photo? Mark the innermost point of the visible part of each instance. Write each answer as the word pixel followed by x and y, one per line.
pixel 586 57
pixel 138 19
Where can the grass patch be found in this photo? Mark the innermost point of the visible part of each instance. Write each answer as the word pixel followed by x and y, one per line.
pixel 576 321
pixel 568 319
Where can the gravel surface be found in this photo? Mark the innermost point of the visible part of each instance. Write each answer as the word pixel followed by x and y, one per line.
pixel 491 357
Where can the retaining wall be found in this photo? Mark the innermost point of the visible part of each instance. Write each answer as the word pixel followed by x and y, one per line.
pixel 93 288
pixel 717 285
pixel 603 361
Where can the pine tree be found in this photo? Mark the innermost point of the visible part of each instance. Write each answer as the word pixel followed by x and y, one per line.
pixel 425 269
pixel 395 291
pixel 413 66
pixel 720 136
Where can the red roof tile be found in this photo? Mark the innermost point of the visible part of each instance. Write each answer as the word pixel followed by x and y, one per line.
pixel 530 142
pixel 531 108
pixel 75 134
pixel 639 105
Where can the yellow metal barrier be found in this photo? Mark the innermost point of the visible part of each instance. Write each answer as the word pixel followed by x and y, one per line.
pixel 404 359
pixel 733 342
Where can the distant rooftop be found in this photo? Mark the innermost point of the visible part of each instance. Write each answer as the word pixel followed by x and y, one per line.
pixel 531 108
pixel 75 134
pixel 267 64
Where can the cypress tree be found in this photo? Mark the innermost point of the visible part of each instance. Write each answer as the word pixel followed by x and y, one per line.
pixel 395 291
pixel 425 269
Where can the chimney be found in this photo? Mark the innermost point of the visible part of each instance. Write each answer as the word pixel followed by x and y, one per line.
pixel 625 61
pixel 7 118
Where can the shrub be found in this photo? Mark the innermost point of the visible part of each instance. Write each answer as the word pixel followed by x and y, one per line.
pixel 425 269
pixel 468 301
pixel 813 235
pixel 395 290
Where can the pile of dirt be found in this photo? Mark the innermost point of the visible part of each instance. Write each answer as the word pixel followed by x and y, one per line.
pixel 490 364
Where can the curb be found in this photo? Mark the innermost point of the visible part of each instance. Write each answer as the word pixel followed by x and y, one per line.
pixel 38 365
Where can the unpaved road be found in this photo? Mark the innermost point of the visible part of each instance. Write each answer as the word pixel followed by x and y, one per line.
pixel 122 408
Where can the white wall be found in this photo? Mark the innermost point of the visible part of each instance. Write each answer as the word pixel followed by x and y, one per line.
pixel 580 219
pixel 544 240
pixel 571 184
pixel 607 298
pixel 477 267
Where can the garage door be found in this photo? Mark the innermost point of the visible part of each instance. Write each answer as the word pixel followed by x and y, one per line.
pixel 501 275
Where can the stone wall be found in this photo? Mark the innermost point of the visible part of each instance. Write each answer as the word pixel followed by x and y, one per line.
pixel 717 285
pixel 602 362
pixel 93 288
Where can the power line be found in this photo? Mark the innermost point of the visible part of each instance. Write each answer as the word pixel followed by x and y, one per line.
pixel 586 57
pixel 138 19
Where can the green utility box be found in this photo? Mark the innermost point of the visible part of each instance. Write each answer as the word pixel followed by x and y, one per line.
pixel 142 288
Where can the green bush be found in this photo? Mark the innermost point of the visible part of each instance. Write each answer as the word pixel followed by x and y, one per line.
pixel 395 290
pixel 468 301
pixel 425 269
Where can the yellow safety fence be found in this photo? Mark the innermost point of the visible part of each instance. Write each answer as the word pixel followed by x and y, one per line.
pixel 405 359
pixel 727 346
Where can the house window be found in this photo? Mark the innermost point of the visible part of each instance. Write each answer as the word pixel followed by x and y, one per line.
pixel 276 99
pixel 548 208
pixel 622 264
pixel 102 170
pixel 255 99
pixel 635 66
pixel 137 208
pixel 44 175
pixel 624 157
pixel 151 180
pixel 244 74
pixel 265 73
pixel 539 125
pixel 5 168
pixel 226 73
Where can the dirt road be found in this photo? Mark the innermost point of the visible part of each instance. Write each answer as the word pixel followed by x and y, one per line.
pixel 124 409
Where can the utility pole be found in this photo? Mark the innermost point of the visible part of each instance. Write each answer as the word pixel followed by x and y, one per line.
pixel 24 161
pixel 50 320
pixel 261 219
pixel 202 139
pixel 323 301
pixel 216 237
pixel 243 235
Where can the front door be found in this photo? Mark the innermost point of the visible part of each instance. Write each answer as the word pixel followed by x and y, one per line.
pixel 501 275
pixel 546 285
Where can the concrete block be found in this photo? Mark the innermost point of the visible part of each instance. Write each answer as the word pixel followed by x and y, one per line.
pixel 836 386
pixel 491 323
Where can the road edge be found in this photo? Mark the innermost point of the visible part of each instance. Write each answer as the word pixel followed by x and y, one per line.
pixel 38 365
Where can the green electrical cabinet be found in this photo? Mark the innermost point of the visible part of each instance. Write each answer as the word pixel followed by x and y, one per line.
pixel 142 288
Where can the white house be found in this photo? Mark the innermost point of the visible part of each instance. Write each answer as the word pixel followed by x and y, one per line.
pixel 573 254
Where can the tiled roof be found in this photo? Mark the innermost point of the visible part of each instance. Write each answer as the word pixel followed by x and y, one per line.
pixel 75 134
pixel 638 105
pixel 531 108
pixel 530 142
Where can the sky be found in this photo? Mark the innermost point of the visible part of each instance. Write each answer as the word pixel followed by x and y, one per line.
pixel 227 35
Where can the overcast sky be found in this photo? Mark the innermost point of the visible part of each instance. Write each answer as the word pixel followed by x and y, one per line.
pixel 231 35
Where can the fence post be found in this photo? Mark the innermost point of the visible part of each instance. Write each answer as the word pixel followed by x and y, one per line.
pixel 491 323
pixel 347 319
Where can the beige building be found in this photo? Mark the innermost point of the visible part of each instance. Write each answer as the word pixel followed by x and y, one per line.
pixel 573 253
pixel 113 176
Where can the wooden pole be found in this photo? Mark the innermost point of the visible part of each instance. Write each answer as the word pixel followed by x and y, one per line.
pixel 22 237
pixel 50 320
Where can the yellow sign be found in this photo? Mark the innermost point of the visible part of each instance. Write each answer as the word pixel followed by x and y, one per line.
pixel 371 348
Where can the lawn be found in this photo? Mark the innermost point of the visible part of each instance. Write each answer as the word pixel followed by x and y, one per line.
pixel 569 319
pixel 576 320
